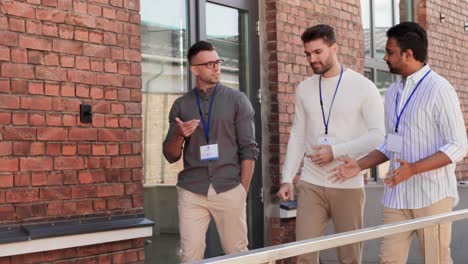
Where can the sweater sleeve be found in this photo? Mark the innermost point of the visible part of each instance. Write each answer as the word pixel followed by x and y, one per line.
pixel 296 144
pixel 372 112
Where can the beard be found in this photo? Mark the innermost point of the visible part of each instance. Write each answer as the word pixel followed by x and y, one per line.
pixel 325 66
pixel 323 69
pixel 392 69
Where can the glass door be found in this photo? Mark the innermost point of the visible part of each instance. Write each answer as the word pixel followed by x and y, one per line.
pixel 164 44
pixel 231 27
pixel 168 29
pixel 228 38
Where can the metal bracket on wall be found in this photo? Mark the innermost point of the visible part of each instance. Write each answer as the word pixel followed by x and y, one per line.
pixel 258 28
pixel 261 195
pixel 259 96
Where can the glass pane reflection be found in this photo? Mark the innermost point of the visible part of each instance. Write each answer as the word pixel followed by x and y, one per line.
pixel 366 25
pixel 383 21
pixel 222 30
pixel 383 13
pixel 383 80
pixel 369 73
pixel 164 42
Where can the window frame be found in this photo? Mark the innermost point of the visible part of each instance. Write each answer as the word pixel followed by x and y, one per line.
pixel 373 64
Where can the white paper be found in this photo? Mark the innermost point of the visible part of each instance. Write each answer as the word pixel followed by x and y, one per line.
pixel 394 143
pixel 209 152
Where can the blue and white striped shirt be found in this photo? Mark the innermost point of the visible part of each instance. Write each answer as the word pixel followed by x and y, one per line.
pixel 431 122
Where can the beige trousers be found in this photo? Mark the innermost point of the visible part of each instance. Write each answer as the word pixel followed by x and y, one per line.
pixel 229 213
pixel 317 205
pixel 394 248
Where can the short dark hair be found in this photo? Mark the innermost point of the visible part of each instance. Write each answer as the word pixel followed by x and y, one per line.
pixel 197 48
pixel 325 32
pixel 410 35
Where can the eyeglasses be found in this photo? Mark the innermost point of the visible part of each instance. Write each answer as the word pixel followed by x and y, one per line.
pixel 210 64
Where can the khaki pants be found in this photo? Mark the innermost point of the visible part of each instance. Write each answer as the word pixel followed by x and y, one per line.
pixel 394 248
pixel 316 205
pixel 195 212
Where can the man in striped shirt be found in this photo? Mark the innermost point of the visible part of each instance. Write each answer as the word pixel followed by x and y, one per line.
pixel 425 138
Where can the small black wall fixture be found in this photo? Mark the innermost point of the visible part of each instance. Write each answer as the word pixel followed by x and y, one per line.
pixel 86 115
pixel 442 17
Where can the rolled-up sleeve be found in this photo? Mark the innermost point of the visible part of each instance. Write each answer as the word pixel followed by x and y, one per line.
pixel 245 129
pixel 175 112
pixel 451 124
pixel 383 148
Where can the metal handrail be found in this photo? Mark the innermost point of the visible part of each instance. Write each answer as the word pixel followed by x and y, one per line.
pixel 273 253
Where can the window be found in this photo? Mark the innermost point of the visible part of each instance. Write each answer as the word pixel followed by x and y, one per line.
pixel 164 44
pixel 377 17
pixel 165 40
pixel 226 38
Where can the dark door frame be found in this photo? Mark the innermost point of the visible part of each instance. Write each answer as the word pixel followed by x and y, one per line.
pixel 197 27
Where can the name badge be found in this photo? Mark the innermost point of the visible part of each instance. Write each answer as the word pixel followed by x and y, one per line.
pixel 325 140
pixel 394 143
pixel 209 152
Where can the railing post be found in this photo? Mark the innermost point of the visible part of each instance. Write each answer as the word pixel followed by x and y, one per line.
pixel 431 244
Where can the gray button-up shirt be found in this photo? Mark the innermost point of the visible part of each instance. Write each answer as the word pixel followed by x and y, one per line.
pixel 232 128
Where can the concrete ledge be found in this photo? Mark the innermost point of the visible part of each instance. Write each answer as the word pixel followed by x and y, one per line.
pixel 288 209
pixel 67 228
pixel 30 238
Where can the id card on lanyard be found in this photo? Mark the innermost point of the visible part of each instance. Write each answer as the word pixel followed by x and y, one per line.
pixel 325 139
pixel 395 141
pixel 208 151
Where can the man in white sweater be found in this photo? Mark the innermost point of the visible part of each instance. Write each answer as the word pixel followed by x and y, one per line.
pixel 337 112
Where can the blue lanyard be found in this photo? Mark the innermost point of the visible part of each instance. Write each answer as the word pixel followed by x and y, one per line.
pixel 206 125
pixel 407 101
pixel 327 121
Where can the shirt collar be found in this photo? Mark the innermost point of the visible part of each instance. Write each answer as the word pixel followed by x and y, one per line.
pixel 416 76
pixel 209 91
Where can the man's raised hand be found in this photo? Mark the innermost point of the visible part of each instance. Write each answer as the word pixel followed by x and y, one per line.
pixel 186 129
pixel 345 171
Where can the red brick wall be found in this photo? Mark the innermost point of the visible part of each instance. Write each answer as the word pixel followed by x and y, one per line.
pixel 287 66
pixel 448 51
pixel 286 20
pixel 54 56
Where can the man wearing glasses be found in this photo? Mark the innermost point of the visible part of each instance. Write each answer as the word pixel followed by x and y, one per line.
pixel 213 126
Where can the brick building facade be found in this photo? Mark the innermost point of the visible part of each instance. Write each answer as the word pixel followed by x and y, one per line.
pixel 58 54
pixel 54 56
pixel 286 20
